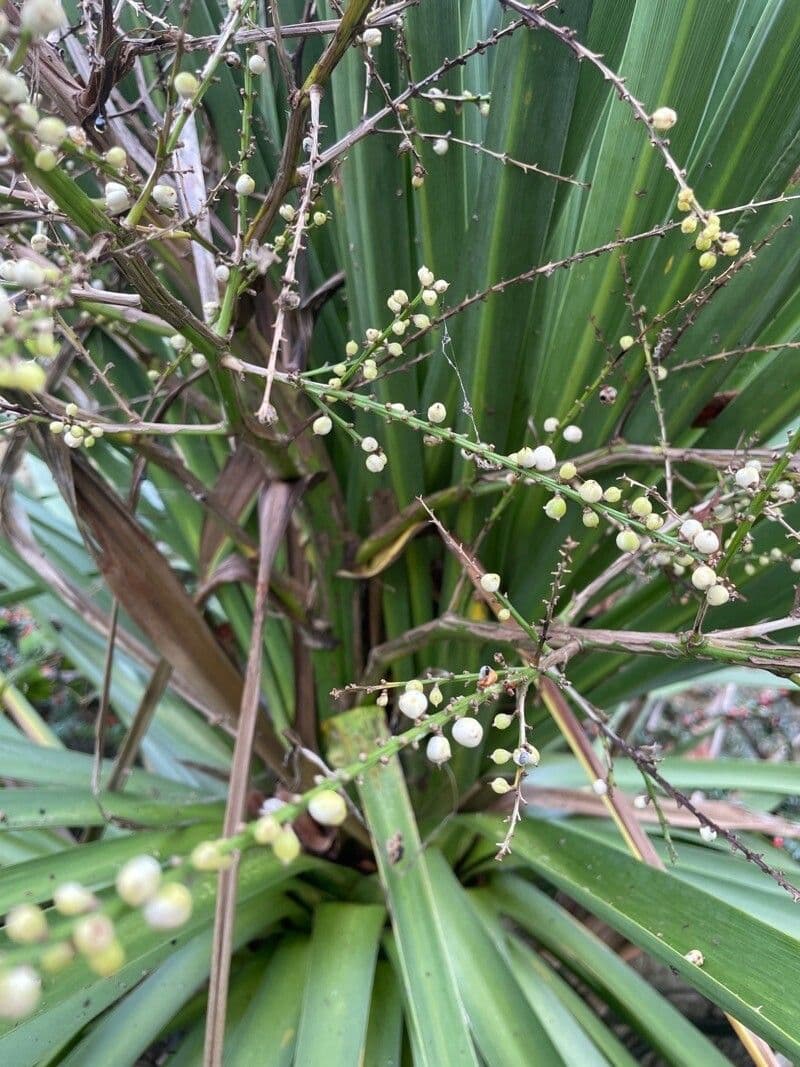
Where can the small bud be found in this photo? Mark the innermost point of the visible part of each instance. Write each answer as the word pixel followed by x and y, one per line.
pixel 328 808
pixel 440 286
pixel 503 615
pixel 467 732
pixel 689 224
pixel 654 522
pixel 319 218
pixel 435 696
pixel 369 444
pixel 707 260
pixel 117 198
pixel 640 801
pixel 426 277
pixel 689 529
pixel 429 297
pixel 198 360
pixel 351 349
pixel 169 908
pixel 730 246
pixel 369 369
pixel 422 322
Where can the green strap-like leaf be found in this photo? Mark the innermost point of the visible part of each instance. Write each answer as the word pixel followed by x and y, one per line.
pixel 344 947
pixel 436 1015
pixel 748 966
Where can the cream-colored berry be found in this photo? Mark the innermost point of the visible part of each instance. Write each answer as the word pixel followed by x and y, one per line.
pixel 186 85
pixel 663 118
pixel 706 542
pixel 717 595
pixel 369 444
pixel 93 933
pixel 490 582
pixel 71 898
pixel 286 846
pixel 573 434
pixel 20 991
pixel 328 808
pixel 245 185
pixel 437 413
pixel 138 880
pixel 266 830
pixel 375 462
pixel 555 508
pixel 25 924
pixel 322 425
pixel 567 471
pixel 591 491
pixel 550 424
pixel 467 732
pixel 544 458
pixel 412 703
pixel 256 64
pixel 626 342
pixel 704 577
pixel 500 786
pixel 438 749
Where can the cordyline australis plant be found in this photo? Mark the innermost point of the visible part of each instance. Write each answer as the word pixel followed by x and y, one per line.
pixel 393 395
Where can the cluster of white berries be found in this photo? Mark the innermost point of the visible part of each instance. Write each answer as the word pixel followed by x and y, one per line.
pixel 164 906
pixel 75 435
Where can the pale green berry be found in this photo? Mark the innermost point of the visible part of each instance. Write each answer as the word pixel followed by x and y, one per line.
pixel 71 898
pixel 503 615
pixel 56 957
pixel 590 519
pixel 435 696
pixel 626 342
pixel 266 829
pixel 351 349
pixel 612 495
pixel 627 541
pixel 555 508
pixel 56 427
pixel 26 924
pixel 328 808
pixel 206 856
pixel 500 785
pixel 186 85
pixel 415 684
pixel 245 185
pixel 286 846
pixel 567 472
pixel 169 908
pixel 370 370
pixel 500 756
pixel 108 960
pixel 641 507
pixel 654 522
pixel 46 159
pixel 707 260
pixel 51 131
pixel 116 157
pixel 689 224
pixel 591 491
pixel 501 721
